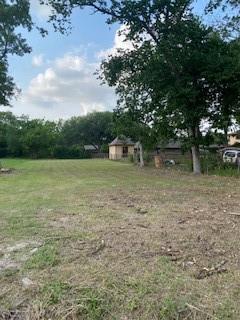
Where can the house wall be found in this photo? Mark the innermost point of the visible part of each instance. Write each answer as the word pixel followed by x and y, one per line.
pixel 130 150
pixel 233 140
pixel 115 152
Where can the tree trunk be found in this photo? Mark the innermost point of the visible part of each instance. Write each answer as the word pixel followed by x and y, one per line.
pixel 141 162
pixel 194 134
pixel 196 160
pixel 226 135
pixel 139 154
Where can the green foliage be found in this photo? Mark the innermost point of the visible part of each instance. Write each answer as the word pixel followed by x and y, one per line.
pixel 22 137
pixel 226 170
pixel 15 14
pixel 131 158
pixel 147 157
pixel 94 129
pixel 38 138
pixel 129 125
pixel 210 161
pixel 180 97
pixel 230 22
pixel 104 148
pixel 70 152
pixel 7 88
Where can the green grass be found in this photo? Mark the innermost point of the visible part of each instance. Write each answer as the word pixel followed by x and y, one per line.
pixel 46 256
pixel 95 238
pixel 54 291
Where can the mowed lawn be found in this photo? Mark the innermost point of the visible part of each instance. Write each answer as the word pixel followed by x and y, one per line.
pixel 94 239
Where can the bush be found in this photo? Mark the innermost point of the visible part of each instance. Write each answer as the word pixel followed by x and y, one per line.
pixel 72 152
pixel 131 158
pixel 3 152
pixel 104 148
pixel 212 163
pixel 147 158
pixel 227 169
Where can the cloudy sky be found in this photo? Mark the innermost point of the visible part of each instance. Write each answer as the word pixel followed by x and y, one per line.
pixel 58 78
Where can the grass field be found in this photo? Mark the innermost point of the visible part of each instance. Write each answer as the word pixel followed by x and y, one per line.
pixel 94 239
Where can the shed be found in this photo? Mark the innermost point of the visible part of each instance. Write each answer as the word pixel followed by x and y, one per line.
pixel 90 148
pixel 170 147
pixel 121 148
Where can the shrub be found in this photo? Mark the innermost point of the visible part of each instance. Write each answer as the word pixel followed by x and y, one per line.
pixel 147 158
pixel 210 161
pixel 104 148
pixel 71 152
pixel 131 158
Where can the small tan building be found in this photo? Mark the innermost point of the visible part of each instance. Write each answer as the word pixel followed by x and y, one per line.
pixel 121 148
pixel 234 138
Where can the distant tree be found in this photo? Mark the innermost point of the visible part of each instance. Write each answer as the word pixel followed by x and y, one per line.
pixel 94 129
pixel 7 120
pixel 38 138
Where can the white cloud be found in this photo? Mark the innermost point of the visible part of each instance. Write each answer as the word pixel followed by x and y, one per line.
pixel 41 11
pixel 120 42
pixel 37 60
pixel 67 87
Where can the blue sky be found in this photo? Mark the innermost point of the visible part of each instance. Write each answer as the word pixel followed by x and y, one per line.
pixel 57 79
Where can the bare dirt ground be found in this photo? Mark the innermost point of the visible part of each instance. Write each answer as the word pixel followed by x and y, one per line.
pixel 103 240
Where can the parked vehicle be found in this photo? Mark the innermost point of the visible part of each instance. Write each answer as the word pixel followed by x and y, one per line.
pixel 231 156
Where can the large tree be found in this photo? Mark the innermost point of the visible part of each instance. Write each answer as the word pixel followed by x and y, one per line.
pixel 14 15
pixel 189 80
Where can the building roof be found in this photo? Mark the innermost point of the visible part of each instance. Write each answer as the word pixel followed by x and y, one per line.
pixel 236 133
pixel 90 147
pixel 122 142
pixel 171 144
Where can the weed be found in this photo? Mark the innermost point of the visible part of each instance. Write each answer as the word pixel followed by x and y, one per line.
pixel 169 309
pixel 94 303
pixel 46 256
pixel 54 291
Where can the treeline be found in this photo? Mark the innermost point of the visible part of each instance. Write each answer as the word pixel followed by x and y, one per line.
pixel 37 138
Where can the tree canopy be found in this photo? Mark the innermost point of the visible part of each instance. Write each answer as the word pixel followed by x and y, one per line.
pixel 94 129
pixel 14 14
pixel 38 138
